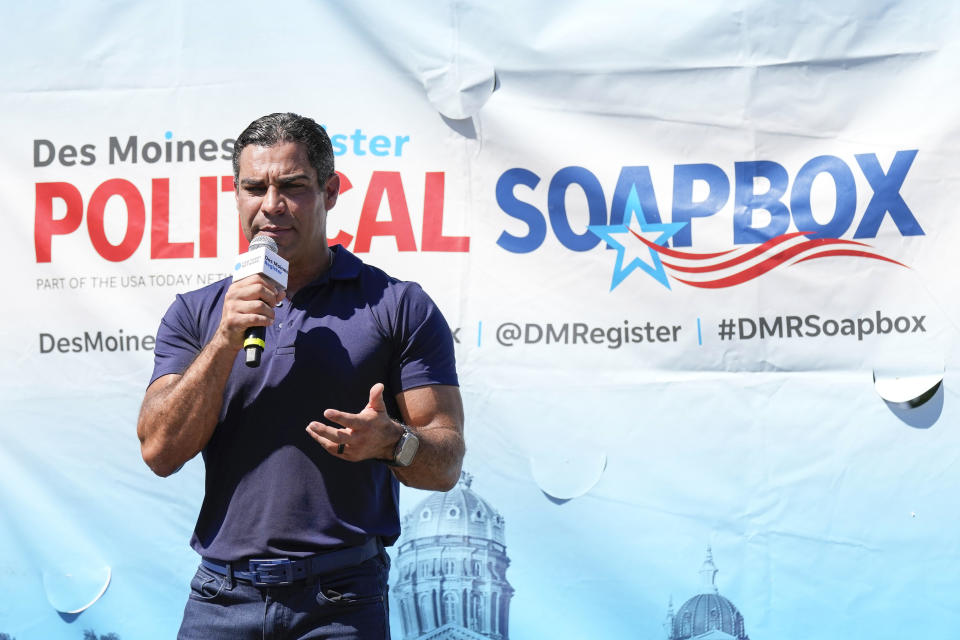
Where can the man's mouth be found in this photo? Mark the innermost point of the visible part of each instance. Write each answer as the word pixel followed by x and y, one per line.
pixel 275 232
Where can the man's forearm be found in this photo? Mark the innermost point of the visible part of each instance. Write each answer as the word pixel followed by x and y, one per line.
pixel 438 461
pixel 179 414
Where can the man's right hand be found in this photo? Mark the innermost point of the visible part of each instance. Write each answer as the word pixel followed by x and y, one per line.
pixel 248 303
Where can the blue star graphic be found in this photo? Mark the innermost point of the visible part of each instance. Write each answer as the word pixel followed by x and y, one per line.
pixel 634 210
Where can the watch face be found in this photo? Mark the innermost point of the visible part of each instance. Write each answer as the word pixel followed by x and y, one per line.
pixel 406 449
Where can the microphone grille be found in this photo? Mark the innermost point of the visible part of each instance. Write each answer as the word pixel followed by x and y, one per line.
pixel 264 241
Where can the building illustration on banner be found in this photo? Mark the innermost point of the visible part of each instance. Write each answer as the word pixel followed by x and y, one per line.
pixel 451 563
pixel 707 615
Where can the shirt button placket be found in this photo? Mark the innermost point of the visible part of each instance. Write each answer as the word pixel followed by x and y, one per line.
pixel 283 321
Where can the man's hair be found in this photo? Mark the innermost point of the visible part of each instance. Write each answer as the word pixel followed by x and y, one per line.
pixel 275 128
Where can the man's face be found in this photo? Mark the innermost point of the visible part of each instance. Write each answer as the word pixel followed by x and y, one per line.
pixel 278 196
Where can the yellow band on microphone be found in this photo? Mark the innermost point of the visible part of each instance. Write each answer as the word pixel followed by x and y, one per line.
pixel 252 341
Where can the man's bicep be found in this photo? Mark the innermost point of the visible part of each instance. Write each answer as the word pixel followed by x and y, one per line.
pixel 158 386
pixel 153 404
pixel 179 339
pixel 424 352
pixel 432 406
pixel 153 398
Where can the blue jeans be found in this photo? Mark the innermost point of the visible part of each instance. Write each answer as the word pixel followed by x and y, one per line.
pixel 350 604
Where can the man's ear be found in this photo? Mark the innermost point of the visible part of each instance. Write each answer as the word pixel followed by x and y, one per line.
pixel 331 190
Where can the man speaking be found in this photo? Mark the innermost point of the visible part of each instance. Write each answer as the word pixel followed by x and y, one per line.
pixel 357 389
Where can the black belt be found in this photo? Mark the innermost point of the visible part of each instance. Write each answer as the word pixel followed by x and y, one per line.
pixel 276 572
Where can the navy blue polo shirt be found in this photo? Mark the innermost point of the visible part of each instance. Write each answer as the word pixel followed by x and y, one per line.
pixel 271 490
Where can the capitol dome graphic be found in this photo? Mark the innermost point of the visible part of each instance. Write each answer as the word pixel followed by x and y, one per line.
pixel 451 564
pixel 707 615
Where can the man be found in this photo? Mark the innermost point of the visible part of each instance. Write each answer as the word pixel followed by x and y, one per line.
pixel 357 389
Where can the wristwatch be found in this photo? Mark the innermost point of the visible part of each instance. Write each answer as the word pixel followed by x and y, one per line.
pixel 406 448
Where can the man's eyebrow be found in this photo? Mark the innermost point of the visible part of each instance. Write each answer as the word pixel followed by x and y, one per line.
pixel 293 178
pixel 284 180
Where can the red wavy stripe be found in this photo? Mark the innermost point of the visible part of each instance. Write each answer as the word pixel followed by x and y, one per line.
pixel 673 253
pixel 770 263
pixel 723 265
pixel 851 253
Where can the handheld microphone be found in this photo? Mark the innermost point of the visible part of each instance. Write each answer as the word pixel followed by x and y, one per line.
pixel 261 257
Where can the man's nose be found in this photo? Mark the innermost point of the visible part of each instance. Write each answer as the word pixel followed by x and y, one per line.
pixel 272 202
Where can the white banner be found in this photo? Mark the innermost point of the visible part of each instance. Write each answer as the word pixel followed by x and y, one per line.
pixel 681 248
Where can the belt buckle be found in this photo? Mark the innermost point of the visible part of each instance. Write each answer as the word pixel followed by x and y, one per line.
pixel 272 572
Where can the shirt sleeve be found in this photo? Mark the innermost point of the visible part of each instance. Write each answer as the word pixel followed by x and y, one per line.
pixel 178 340
pixel 424 343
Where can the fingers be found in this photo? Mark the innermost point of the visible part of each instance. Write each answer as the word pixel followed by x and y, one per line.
pixel 249 303
pixel 350 420
pixel 375 409
pixel 256 287
pixel 376 398
pixel 365 435
pixel 347 444
pixel 334 441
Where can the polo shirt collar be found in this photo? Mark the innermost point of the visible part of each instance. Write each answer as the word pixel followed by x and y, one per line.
pixel 346 266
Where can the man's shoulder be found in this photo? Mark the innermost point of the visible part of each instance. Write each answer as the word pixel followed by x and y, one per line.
pixel 211 290
pixel 205 297
pixel 374 281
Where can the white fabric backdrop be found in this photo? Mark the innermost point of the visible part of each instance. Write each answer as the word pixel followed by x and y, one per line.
pixel 831 514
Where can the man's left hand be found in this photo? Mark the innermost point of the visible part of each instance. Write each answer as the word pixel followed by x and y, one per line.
pixel 368 434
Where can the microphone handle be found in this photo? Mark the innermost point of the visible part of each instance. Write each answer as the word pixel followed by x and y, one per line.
pixel 254 340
